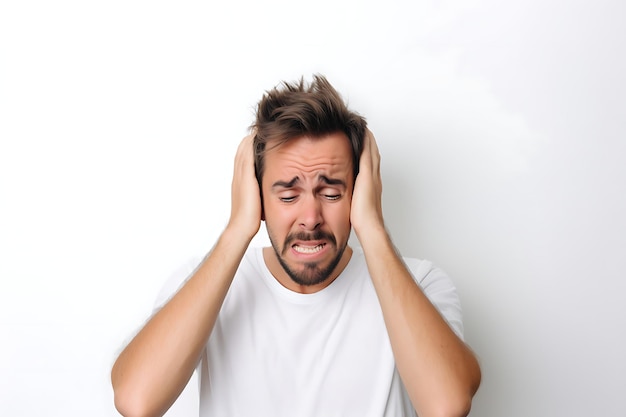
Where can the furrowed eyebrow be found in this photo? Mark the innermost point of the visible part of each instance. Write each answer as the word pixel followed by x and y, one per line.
pixel 332 181
pixel 286 184
pixel 322 178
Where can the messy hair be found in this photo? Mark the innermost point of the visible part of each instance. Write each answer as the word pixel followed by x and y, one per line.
pixel 293 110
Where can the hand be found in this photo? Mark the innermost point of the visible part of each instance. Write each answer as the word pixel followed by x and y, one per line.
pixel 245 211
pixel 366 211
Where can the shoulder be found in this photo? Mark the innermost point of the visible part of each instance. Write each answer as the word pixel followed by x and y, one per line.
pixel 431 278
pixel 176 279
pixel 179 276
pixel 440 290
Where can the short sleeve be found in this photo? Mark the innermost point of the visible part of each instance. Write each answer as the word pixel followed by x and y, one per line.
pixel 175 281
pixel 440 290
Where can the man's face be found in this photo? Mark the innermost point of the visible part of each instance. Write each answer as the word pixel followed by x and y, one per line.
pixel 307 191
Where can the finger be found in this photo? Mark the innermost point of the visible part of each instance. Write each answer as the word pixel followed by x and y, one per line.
pixel 246 143
pixel 371 153
pixel 245 150
pixel 373 146
pixel 365 160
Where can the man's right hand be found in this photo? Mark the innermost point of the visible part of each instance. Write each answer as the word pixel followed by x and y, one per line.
pixel 246 209
pixel 153 369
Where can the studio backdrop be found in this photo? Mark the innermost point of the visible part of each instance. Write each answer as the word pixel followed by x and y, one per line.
pixel 501 127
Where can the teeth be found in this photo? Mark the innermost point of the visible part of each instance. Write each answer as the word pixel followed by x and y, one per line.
pixel 308 249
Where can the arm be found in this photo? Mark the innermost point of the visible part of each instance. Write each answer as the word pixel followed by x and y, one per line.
pixel 154 368
pixel 439 371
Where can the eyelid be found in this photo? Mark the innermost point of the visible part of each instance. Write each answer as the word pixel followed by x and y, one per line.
pixel 332 197
pixel 287 197
pixel 331 194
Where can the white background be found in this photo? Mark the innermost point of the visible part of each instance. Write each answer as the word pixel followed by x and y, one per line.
pixel 502 127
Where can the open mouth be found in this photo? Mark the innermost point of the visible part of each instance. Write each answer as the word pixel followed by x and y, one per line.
pixel 308 249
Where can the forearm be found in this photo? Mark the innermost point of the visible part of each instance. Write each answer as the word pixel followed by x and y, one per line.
pixel 154 368
pixel 439 371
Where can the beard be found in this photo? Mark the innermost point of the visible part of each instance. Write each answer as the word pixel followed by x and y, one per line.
pixel 313 273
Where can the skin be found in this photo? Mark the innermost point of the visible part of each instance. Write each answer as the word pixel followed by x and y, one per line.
pixel 439 371
pixel 307 189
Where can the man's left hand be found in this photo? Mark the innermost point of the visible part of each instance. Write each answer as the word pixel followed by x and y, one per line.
pixel 366 212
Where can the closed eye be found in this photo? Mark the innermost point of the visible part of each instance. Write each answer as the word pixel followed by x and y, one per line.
pixel 332 196
pixel 287 199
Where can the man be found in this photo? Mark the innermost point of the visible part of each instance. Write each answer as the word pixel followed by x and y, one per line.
pixel 308 326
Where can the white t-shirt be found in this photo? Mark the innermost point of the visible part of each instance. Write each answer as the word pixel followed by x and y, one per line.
pixel 275 352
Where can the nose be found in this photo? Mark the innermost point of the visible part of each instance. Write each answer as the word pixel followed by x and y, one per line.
pixel 311 214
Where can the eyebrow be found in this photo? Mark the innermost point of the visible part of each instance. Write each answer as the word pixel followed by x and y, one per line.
pixel 286 184
pixel 295 180
pixel 332 181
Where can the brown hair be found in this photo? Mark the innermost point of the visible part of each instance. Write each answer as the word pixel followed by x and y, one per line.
pixel 292 110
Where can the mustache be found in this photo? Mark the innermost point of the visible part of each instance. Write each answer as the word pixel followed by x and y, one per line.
pixel 316 235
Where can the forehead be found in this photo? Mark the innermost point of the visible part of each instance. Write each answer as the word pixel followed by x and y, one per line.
pixel 309 156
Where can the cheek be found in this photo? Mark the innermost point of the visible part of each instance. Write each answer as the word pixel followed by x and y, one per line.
pixel 339 217
pixel 278 217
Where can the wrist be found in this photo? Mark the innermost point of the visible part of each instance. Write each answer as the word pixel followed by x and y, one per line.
pixel 374 232
pixel 239 234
